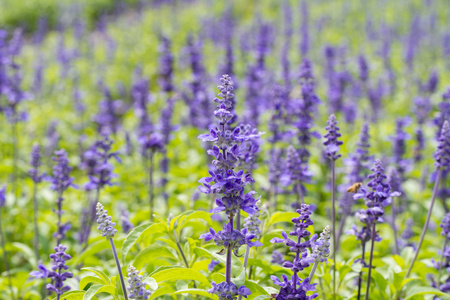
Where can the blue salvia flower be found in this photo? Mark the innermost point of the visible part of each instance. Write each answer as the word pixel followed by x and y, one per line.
pixel 332 142
pixel 252 223
pixel 442 154
pixel 277 258
pixel 306 107
pixel 296 288
pixel 212 265
pixel 377 198
pixel 228 291
pixel 443 112
pixel 407 234
pixel 363 68
pixel 105 225
pixel 109 117
pixel 165 73
pixel 126 223
pixel 3 196
pixel 61 181
pixel 304 29
pixel 321 247
pixel 57 272
pixel 136 286
pixel 399 145
pixel 96 162
pixel 35 164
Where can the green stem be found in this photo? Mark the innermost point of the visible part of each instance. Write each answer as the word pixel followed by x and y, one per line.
pixel 333 217
pixel 442 261
pixel 35 221
pixel 150 188
pixel 116 258
pixel 313 270
pixel 5 258
pixel 370 261
pixel 425 227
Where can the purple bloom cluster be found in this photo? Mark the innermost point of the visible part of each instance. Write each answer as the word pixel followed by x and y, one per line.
pixel 399 144
pixel 226 181
pixel 105 225
pixel 2 196
pixel 231 238
pixel 228 291
pixel 35 164
pixel 57 272
pixel 136 285
pixel 442 154
pixel 445 225
pixel 96 163
pixel 165 66
pixel 61 179
pixel 332 143
pixel 377 198
pixel 295 288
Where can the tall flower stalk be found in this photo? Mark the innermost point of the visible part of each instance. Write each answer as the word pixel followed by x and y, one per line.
pixel 37 177
pixel 296 288
pixel 61 181
pixel 332 144
pixel 376 199
pixel 228 185
pixel 57 273
pixel 442 164
pixel 107 229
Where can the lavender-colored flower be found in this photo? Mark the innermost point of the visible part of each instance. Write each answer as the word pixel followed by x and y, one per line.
pixel 295 288
pixel 277 258
pixel 405 238
pixel 304 29
pixel 231 238
pixel 422 108
pixel 96 162
pixel 399 145
pixel 212 265
pixel 321 247
pixel 228 182
pixel 332 143
pixel 136 286
pixel 61 179
pixel 445 225
pixel 377 198
pixel 35 164
pixel 228 291
pixel 420 140
pixel 57 272
pixel 442 154
pixel 253 223
pixel 126 223
pixel 305 109
pixel 363 68
pixel 106 226
pixel 3 196
pixel 109 117
pixel 165 66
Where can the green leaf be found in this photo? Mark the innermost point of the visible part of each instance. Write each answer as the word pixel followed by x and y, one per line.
pixel 161 291
pixel 89 279
pixel 149 253
pixel 239 280
pixel 28 253
pixel 153 285
pixel 424 290
pixel 98 288
pixel 262 297
pixel 137 233
pixel 93 248
pixel 72 295
pixel 281 217
pixel 203 293
pixel 256 290
pixel 180 274
pixel 102 275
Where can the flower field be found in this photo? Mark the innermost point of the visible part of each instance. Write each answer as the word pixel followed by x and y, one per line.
pixel 197 149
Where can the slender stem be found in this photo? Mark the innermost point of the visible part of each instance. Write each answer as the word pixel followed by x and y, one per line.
pixel 15 154
pixel 294 278
pixel 394 227
pixel 247 252
pixel 425 227
pixel 361 272
pixel 321 287
pixel 150 188
pixel 313 270
pixel 442 260
pixel 300 197
pixel 333 217
pixel 340 229
pixel 35 221
pixel 59 211
pixel 180 249
pixel 91 217
pixel 228 262
pixel 211 200
pixel 370 261
pixel 116 258
pixel 5 258
pixel 238 220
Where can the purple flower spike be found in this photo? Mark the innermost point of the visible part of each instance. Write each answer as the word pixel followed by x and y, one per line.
pixel 445 225
pixel 228 291
pixel 332 143
pixel 442 155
